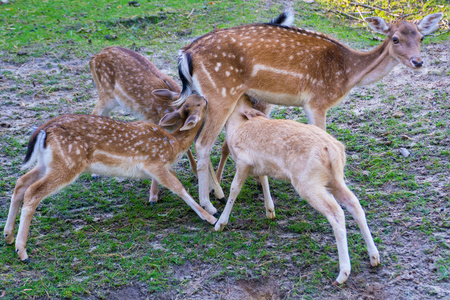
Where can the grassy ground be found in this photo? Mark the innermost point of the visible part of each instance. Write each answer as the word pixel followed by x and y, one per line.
pixel 100 239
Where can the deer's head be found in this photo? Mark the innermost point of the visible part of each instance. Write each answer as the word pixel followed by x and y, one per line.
pixel 405 38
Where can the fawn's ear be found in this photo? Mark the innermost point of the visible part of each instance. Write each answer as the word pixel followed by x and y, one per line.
pixel 166 94
pixel 251 113
pixel 170 119
pixel 429 24
pixel 191 122
pixel 378 24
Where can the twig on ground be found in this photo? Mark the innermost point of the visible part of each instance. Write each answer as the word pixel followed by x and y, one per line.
pixel 369 6
pixel 190 13
pixel 344 14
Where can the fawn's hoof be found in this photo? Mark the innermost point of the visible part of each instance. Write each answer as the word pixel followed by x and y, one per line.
pixel 26 261
pixel 9 239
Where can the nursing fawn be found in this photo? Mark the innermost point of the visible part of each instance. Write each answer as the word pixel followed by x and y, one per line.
pixel 311 159
pixel 68 145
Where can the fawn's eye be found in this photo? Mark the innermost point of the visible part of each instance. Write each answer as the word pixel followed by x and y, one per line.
pixel 395 40
pixel 421 39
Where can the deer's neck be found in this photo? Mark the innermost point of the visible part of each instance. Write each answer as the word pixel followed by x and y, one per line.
pixel 370 66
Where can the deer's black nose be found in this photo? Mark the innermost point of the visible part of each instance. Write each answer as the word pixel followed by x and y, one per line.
pixel 417 63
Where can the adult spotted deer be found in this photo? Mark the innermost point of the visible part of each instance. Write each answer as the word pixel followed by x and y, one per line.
pixel 66 146
pixel 127 79
pixel 307 156
pixel 289 66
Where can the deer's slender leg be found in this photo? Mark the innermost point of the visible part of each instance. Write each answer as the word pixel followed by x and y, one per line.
pixel 22 185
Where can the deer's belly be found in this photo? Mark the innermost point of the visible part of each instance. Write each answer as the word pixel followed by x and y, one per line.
pixel 123 170
pixel 288 99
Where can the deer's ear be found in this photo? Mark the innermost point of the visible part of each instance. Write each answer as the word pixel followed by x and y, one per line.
pixel 166 94
pixel 378 24
pixel 170 119
pixel 250 114
pixel 429 24
pixel 191 122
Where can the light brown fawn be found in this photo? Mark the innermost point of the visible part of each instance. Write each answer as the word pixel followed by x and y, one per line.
pixel 66 146
pixel 289 66
pixel 307 156
pixel 127 79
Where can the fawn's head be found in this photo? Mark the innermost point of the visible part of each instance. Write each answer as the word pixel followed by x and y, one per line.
pixel 405 38
pixel 187 115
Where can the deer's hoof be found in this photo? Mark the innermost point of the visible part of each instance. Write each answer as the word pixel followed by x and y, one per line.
pixel 26 261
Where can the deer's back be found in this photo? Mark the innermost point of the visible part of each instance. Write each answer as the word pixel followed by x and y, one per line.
pixel 282 148
pixel 131 78
pixel 267 57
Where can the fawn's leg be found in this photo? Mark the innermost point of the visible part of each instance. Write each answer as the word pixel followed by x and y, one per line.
pixel 346 197
pixel 236 185
pixel 170 181
pixel 324 202
pixel 52 182
pixel 22 185
pixel 268 201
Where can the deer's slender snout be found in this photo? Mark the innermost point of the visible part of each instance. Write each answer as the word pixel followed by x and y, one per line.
pixel 417 62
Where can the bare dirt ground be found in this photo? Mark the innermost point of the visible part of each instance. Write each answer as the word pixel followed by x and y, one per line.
pixel 409 259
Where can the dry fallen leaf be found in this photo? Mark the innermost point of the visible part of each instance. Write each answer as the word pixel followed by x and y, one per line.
pixel 398 114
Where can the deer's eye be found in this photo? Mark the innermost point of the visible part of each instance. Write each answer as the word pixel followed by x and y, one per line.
pixel 395 40
pixel 421 39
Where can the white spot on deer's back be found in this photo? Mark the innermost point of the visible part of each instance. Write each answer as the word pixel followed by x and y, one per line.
pixel 217 67
pixel 224 92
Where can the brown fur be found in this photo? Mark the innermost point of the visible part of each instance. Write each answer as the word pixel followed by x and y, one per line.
pixel 126 78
